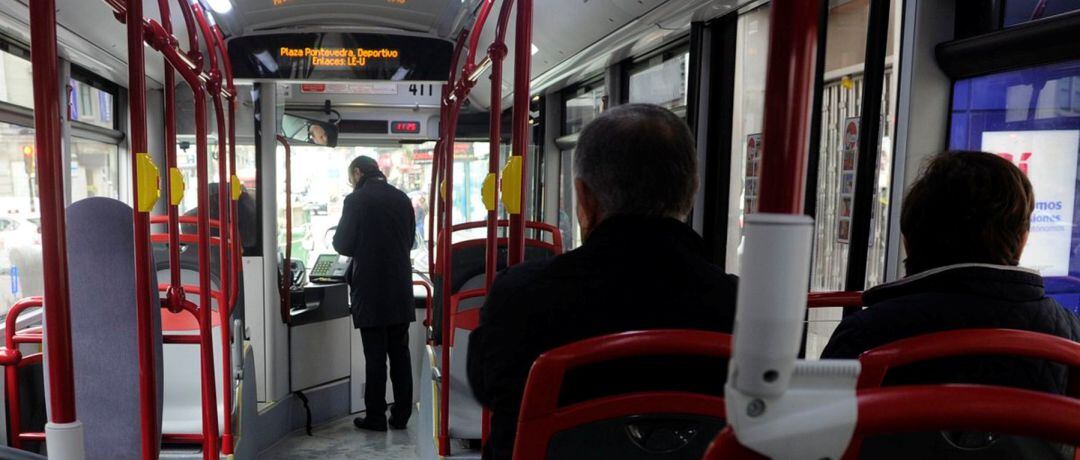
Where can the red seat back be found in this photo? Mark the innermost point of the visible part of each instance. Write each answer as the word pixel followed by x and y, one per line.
pixel 541 417
pixel 946 407
pixel 970 342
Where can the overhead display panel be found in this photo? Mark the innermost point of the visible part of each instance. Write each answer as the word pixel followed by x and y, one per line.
pixel 328 56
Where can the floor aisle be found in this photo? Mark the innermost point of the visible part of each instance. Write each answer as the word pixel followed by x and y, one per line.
pixel 341 440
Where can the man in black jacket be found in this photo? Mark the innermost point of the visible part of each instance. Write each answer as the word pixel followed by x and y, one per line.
pixel 964 223
pixel 641 267
pixel 377 231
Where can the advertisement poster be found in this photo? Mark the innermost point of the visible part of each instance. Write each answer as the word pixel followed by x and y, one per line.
pixel 848 155
pixel 753 169
pixel 1049 160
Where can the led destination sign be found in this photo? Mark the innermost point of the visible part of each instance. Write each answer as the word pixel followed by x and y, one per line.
pixel 332 56
pixel 338 57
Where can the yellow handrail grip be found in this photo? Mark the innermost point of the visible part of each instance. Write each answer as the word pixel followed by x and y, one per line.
pixel 237 188
pixel 511 185
pixel 148 190
pixel 442 189
pixel 488 192
pixel 176 186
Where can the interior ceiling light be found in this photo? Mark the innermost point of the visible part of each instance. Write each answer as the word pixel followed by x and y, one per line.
pixel 534 49
pixel 220 6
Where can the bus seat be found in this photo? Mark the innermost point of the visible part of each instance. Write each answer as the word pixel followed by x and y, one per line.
pixel 1005 343
pixel 970 342
pixel 466 414
pixel 469 262
pixel 182 412
pixel 638 425
pixel 945 408
pixel 101 254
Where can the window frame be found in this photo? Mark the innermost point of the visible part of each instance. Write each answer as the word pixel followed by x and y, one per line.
pixel 579 89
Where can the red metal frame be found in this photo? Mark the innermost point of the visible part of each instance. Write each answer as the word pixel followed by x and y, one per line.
pixel 946 407
pixel 970 342
pixel 495 56
pixel 541 417
pixel 50 173
pixel 189 65
pixel 454 93
pixel 520 123
pixel 13 360
pixel 834 299
pixel 226 253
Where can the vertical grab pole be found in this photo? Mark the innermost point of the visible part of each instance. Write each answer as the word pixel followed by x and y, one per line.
pixel 497 54
pixel 224 268
pixel 445 158
pixel 64 431
pixel 143 286
pixel 206 345
pixel 286 279
pixel 234 223
pixel 447 276
pixel 520 141
pixel 175 296
pixel 788 88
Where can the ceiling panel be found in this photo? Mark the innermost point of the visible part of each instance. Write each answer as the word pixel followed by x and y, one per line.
pixel 410 15
pixel 584 36
pixel 94 21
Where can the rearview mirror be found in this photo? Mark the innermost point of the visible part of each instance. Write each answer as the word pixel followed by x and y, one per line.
pixel 308 131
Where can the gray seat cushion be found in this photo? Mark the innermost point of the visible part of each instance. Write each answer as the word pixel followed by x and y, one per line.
pixel 101 262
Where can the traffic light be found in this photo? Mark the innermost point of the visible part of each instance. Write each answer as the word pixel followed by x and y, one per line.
pixel 28 158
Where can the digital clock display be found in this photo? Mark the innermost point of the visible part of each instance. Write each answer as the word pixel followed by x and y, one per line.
pixel 405 127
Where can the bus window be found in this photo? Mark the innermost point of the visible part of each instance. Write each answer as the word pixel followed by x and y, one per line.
pixel 840 105
pixel 93 168
pixel 20 240
pixel 1032 118
pixel 662 80
pixel 582 108
pixel 320 183
pixel 1021 11
pixel 17 81
pixel 752 47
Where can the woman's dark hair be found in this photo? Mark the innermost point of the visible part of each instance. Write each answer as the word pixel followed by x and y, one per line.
pixel 967 207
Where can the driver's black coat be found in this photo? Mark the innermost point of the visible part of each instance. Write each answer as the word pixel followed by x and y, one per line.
pixel 377 229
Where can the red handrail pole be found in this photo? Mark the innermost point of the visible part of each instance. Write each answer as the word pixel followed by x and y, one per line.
pixel 227 281
pixel 234 221
pixel 286 281
pixel 143 285
pixel 175 296
pixel 206 346
pixel 210 36
pixel 11 371
pixel 497 53
pixel 14 408
pixel 789 87
pixel 447 276
pixel 520 141
pixel 474 36
pixel 50 193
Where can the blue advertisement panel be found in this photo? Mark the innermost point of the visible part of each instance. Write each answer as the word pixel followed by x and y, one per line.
pixel 1032 117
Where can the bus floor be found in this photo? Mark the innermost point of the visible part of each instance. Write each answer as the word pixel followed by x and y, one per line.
pixel 339 439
